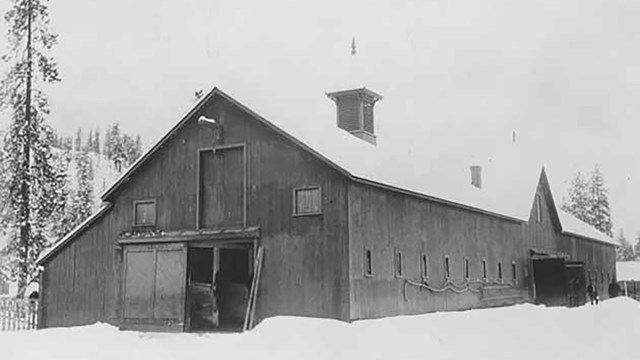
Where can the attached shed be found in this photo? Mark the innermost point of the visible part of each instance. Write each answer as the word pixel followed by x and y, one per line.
pixel 231 218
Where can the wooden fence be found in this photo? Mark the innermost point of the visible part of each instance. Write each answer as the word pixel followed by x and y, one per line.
pixel 18 314
pixel 630 289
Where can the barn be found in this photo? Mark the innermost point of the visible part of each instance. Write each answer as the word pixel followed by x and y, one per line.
pixel 231 218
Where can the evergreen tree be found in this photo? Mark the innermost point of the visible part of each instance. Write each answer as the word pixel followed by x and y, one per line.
pixel 625 251
pixel 33 183
pixel 636 248
pixel 578 201
pixel 599 203
pixel 588 200
pixel 82 202
pixel 96 142
pixel 89 144
pixel 78 143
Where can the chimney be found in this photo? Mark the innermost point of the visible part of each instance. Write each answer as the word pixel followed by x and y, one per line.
pixel 476 176
pixel 355 112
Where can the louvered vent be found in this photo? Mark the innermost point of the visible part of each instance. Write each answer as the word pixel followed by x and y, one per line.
pixel 355 112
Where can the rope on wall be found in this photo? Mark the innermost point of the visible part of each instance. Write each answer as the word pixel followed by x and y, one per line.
pixel 448 285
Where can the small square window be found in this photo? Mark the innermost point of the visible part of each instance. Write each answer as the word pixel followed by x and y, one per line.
pixel 499 271
pixel 144 213
pixel 307 201
pixel 447 268
pixel 399 264
pixel 466 268
pixel 368 268
pixel 424 266
pixel 484 269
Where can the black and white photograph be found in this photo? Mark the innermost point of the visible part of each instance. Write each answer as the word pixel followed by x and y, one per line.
pixel 356 179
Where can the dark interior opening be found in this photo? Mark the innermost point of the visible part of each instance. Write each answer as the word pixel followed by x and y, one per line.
pixel 550 281
pixel 233 283
pixel 219 286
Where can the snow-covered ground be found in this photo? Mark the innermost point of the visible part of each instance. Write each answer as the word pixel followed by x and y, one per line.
pixel 607 331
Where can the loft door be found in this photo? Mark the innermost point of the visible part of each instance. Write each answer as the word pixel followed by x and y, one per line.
pixel 153 291
pixel 222 186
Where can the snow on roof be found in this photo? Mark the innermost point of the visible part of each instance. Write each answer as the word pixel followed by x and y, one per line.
pixel 60 243
pixel 439 173
pixel 574 226
pixel 628 271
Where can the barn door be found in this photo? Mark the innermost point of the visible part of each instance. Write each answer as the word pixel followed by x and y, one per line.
pixel 222 188
pixel 153 291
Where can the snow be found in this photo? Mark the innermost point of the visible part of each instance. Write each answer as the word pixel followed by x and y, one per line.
pixel 523 332
pixel 628 270
pixel 442 174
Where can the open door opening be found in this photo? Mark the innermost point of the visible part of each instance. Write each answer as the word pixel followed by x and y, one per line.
pixel 219 285
pixel 550 281
pixel 576 284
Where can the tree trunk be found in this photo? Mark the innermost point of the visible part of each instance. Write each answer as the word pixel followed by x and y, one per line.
pixel 25 185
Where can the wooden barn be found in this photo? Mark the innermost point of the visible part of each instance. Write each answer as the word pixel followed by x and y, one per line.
pixel 231 218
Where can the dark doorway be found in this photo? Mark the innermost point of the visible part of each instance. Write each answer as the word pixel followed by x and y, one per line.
pixel 232 283
pixel 219 286
pixel 203 314
pixel 550 281
pixel 576 286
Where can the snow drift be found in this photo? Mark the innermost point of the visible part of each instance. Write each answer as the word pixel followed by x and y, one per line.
pixel 525 331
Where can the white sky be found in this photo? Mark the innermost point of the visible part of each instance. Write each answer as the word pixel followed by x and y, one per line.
pixel 456 75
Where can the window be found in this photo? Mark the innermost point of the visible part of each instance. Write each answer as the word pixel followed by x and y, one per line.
pixel 144 213
pixel 514 273
pixel 398 263
pixel 447 268
pixel 499 271
pixel 424 266
pixel 466 268
pixel 368 269
pixel 539 208
pixel 602 277
pixel 307 201
pixel 484 269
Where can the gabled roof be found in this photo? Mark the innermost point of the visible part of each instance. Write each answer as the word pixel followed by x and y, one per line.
pixel 438 176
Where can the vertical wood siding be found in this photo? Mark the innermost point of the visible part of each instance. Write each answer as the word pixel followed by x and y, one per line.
pixel 305 266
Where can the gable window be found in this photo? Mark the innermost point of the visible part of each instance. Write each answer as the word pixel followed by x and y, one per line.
pixel 447 268
pixel 484 269
pixel 466 268
pixel 144 213
pixel 499 271
pixel 398 263
pixel 514 274
pixel 368 268
pixel 538 208
pixel 424 266
pixel 307 201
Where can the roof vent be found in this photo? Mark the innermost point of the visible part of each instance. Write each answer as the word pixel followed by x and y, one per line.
pixel 476 176
pixel 355 112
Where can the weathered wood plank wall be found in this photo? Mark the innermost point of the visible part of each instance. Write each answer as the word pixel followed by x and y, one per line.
pixel 305 269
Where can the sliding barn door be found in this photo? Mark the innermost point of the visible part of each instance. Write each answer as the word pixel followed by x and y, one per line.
pixel 153 293
pixel 222 188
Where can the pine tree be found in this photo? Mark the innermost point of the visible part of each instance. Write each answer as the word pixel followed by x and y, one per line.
pixel 625 251
pixel 599 197
pixel 578 202
pixel 78 142
pixel 588 200
pixel 96 142
pixel 636 247
pixel 82 203
pixel 33 183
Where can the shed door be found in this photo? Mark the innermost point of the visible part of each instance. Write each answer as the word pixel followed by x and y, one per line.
pixel 222 187
pixel 154 284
